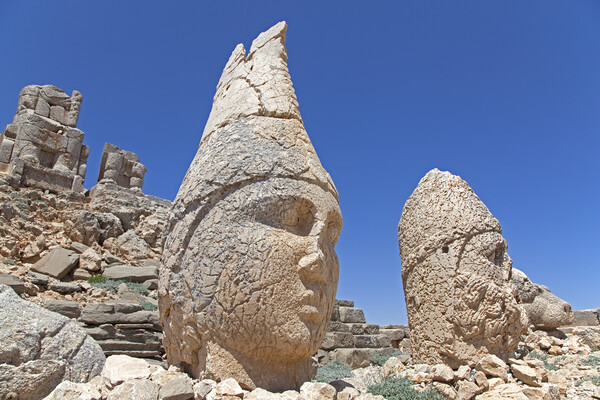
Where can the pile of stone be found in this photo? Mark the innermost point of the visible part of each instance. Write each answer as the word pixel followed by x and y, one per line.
pixel 350 340
pixel 124 327
pixel 122 167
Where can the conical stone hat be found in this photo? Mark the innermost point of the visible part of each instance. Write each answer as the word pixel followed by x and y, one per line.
pixel 254 132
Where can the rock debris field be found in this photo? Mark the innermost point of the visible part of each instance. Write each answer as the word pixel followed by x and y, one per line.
pixel 228 292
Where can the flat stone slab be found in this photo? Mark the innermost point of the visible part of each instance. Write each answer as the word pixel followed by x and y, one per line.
pixel 13 281
pixel 67 308
pixel 57 263
pixel 130 273
pixel 118 313
pixel 335 340
pixel 65 288
pixel 371 341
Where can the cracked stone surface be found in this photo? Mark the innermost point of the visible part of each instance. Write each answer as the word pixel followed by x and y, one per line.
pixel 39 349
pixel 456 275
pixel 250 272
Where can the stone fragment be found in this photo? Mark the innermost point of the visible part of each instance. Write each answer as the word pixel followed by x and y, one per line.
pixel 64 287
pixel 135 389
pixel 446 390
pixel 544 310
pixel 544 392
pixel 507 391
pixel 130 246
pixel 371 341
pixel 74 391
pixel 129 273
pixel 589 336
pixel 262 394
pixel 90 260
pixel 249 248
pixel 177 389
pixel 317 391
pixel 121 368
pixel 463 372
pixel 526 374
pixel 67 308
pixel 57 263
pixel 151 284
pixel 441 373
pixel 467 390
pixel 203 388
pixel 81 274
pixel 456 275
pixel 78 247
pixel 481 380
pixel 392 367
pixel 229 387
pixel 39 349
pixel 38 279
pixel 117 312
pixel 13 282
pixel 493 366
pixel 94 227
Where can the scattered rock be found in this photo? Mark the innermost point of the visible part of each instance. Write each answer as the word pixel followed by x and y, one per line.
pixel 132 274
pixel 57 263
pixel 121 368
pixel 13 282
pixel 90 260
pixel 69 309
pixel 493 366
pixel 317 391
pixel 39 349
pixel 177 389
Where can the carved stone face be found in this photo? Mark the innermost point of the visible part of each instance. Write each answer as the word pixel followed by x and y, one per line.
pixel 268 270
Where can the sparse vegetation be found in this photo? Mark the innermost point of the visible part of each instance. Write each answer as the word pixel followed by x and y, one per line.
pixel 380 359
pixel 101 282
pixel 591 361
pixel 594 379
pixel 146 305
pixel 98 278
pixel 333 371
pixel 401 389
pixel 8 261
pixel 538 355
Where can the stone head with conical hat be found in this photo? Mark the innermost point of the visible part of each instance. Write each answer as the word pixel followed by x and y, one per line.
pixel 456 275
pixel 250 269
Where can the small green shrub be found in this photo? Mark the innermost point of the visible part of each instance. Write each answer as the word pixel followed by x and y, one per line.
pixel 332 372
pixel 401 389
pixel 146 305
pixel 41 205
pixel 594 379
pixel 380 359
pixel 8 261
pixel 591 361
pixel 108 284
pixel 98 278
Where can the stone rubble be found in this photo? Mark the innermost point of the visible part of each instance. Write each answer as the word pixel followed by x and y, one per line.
pixel 121 167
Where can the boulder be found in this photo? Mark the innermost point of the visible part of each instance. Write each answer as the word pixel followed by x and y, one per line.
pixel 40 348
pixel 57 263
pixel 456 275
pixel 254 224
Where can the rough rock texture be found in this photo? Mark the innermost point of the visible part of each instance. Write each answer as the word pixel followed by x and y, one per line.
pixel 122 167
pixel 39 349
pixel 42 148
pixel 249 249
pixel 456 275
pixel 544 310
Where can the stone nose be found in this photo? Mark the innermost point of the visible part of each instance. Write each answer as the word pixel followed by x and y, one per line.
pixel 311 267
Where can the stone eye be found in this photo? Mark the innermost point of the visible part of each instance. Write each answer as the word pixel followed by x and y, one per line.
pixel 293 214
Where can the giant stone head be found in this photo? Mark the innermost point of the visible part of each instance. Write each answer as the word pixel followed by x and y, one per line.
pixel 456 275
pixel 250 270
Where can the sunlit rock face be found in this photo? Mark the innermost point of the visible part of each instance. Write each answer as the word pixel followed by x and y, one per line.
pixel 456 275
pixel 250 270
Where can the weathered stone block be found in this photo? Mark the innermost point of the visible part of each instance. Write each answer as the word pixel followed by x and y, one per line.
pixel 129 273
pixel 334 340
pixel 589 317
pixel 350 314
pixel 57 263
pixel 67 308
pixel 371 341
pixel 13 282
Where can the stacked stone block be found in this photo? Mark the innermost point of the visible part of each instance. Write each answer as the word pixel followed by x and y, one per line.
pixel 122 167
pixel 350 340
pixel 122 327
pixel 42 147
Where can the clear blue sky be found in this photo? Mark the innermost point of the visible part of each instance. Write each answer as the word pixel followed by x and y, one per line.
pixel 505 94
